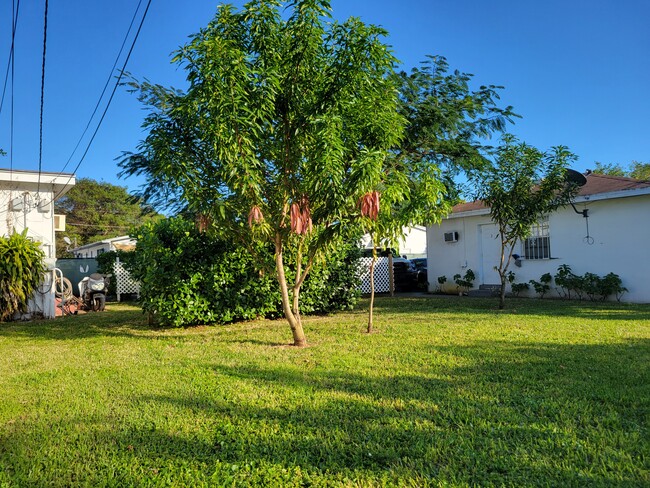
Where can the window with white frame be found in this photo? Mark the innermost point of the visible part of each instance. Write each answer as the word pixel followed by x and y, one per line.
pixel 538 243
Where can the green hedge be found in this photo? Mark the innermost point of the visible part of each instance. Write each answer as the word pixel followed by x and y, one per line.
pixel 21 271
pixel 187 278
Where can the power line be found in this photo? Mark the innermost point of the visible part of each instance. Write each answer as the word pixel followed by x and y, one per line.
pixel 117 83
pixel 40 141
pixel 11 119
pixel 108 80
pixel 15 7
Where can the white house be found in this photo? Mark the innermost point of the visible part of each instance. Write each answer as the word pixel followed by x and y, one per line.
pixel 412 245
pixel 26 202
pixel 93 249
pixel 613 238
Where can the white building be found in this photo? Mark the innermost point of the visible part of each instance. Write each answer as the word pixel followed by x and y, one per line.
pixel 412 245
pixel 614 238
pixel 26 202
pixel 93 249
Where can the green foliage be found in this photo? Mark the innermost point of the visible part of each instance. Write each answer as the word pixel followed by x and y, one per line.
pixel 284 108
pixel 523 185
pixel 636 170
pixel 589 285
pixel 543 285
pixel 447 123
pixel 97 210
pixel 188 277
pixel 517 288
pixel 21 272
pixel 441 281
pixel 466 281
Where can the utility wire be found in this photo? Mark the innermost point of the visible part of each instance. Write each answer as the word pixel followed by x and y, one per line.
pixel 11 118
pixel 108 80
pixel 15 7
pixel 40 140
pixel 117 83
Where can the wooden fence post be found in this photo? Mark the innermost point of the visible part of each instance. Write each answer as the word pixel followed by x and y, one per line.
pixel 391 275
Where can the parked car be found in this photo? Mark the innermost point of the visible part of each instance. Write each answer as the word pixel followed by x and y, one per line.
pixel 421 266
pixel 405 275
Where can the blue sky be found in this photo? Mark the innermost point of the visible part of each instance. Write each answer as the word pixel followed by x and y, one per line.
pixel 578 71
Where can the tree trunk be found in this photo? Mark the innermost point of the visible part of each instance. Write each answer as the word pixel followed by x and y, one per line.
pixel 502 297
pixel 372 288
pixel 299 339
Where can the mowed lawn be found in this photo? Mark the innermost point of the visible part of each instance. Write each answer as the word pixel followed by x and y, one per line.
pixel 448 392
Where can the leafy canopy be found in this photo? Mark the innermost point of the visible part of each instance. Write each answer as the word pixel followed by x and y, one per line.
pixel 280 113
pixel 636 170
pixel 522 186
pixel 99 210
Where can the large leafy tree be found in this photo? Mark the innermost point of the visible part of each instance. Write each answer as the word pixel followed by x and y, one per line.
pixel 285 125
pixel 522 186
pixel 447 131
pixel 98 210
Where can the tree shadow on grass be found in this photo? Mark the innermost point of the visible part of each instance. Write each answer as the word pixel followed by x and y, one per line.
pixel 501 413
pixel 514 306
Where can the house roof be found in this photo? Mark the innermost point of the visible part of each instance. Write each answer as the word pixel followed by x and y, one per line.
pixel 597 184
pixel 60 182
pixel 112 240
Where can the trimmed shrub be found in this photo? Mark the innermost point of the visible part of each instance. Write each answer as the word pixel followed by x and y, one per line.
pixel 188 278
pixel 21 271
pixel 589 284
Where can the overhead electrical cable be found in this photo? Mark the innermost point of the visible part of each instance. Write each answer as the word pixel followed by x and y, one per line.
pixel 11 118
pixel 40 134
pixel 117 83
pixel 108 80
pixel 15 7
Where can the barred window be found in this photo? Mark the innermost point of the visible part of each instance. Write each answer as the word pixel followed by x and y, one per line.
pixel 538 244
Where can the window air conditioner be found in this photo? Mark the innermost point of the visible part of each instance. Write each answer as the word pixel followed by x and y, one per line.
pixel 451 236
pixel 59 223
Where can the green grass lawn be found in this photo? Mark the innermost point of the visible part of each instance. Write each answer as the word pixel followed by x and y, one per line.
pixel 449 392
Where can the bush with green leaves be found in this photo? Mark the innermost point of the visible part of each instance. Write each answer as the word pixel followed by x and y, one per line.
pixel 188 277
pixel 589 285
pixel 543 285
pixel 466 281
pixel 441 281
pixel 516 288
pixel 21 272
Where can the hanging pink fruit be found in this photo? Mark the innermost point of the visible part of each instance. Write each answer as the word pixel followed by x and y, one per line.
pixel 369 204
pixel 255 216
pixel 301 222
pixel 202 222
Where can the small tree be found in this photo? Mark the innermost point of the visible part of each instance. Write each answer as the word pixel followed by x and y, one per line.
pixel 522 186
pixel 284 128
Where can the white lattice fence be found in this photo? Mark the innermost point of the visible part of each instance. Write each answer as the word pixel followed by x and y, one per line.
pixel 382 276
pixel 123 280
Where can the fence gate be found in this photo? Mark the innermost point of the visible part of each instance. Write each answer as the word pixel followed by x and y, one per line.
pixel 123 280
pixel 382 275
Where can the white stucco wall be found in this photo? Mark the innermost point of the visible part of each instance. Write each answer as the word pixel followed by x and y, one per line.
pixel 412 245
pixel 620 229
pixel 36 215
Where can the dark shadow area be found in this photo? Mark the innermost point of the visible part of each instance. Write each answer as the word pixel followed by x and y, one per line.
pixel 516 306
pixel 503 413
